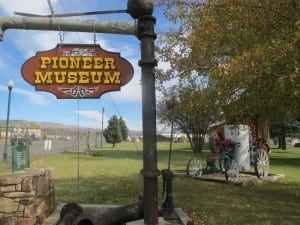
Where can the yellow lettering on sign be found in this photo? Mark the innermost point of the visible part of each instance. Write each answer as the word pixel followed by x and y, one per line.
pixel 83 78
pixel 63 63
pixel 112 79
pixel 96 77
pixel 44 62
pixel 109 64
pixel 87 63
pixel 41 78
pixel 98 63
pixel 77 70
pixel 59 77
pixel 84 62
pixel 74 77
pixel 74 63
pixel 54 63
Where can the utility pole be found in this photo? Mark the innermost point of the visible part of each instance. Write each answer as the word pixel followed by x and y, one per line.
pixel 102 127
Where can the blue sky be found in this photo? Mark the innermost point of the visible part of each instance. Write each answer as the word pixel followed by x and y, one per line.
pixel 19 45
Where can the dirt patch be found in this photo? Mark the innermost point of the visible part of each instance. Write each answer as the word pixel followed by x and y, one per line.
pixel 245 178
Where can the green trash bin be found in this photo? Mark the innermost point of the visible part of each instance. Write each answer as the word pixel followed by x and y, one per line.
pixel 20 157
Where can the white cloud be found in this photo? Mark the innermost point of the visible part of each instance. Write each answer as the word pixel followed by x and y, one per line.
pixel 92 118
pixel 134 126
pixel 33 97
pixel 31 41
pixel 92 115
pixel 131 92
pixel 46 40
pixel 28 6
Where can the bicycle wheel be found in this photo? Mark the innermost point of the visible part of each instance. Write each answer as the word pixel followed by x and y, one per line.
pixel 194 167
pixel 261 163
pixel 231 169
pixel 221 165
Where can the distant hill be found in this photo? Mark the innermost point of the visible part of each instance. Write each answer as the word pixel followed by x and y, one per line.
pixel 52 125
pixel 73 128
pixel 56 128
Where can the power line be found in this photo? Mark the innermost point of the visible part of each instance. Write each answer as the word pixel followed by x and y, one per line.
pixel 119 114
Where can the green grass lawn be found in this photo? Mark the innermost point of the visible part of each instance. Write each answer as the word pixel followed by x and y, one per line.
pixel 112 177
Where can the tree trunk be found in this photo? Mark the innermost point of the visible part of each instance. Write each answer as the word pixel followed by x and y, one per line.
pixel 283 142
pixel 279 142
pixel 197 144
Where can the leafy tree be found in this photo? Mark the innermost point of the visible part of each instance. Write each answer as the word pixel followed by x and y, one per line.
pixel 124 129
pixel 283 130
pixel 112 133
pixel 247 49
pixel 191 113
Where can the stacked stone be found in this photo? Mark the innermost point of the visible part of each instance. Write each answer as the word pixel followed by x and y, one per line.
pixel 26 196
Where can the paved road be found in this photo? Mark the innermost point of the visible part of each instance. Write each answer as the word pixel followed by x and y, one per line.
pixel 38 147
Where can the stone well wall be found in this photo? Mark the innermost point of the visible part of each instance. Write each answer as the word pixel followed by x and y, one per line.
pixel 26 196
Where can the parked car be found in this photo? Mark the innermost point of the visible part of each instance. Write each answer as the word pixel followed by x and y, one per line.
pixel 21 141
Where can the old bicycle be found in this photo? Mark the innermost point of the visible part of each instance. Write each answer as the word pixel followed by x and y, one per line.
pixel 225 159
pixel 227 165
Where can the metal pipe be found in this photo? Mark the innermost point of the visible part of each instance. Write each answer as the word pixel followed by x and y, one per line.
pixel 142 10
pixel 168 205
pixel 67 24
pixel 68 213
pixel 150 172
pixel 112 216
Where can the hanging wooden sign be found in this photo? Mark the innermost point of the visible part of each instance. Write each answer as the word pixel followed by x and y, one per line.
pixel 77 71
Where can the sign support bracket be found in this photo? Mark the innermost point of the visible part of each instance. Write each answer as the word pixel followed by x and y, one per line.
pixel 67 24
